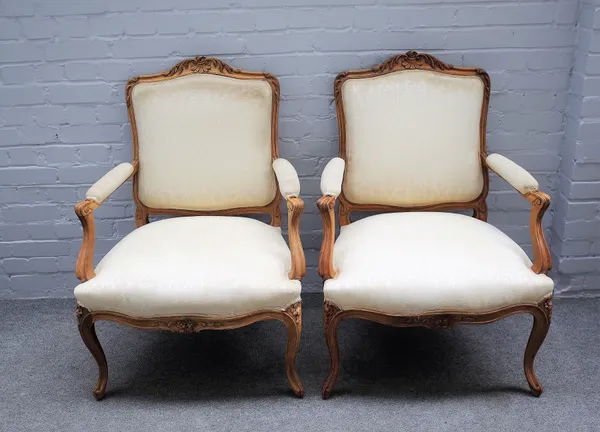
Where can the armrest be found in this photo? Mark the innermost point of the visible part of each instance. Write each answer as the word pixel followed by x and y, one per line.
pixel 331 179
pixel 331 186
pixel 287 178
pixel 110 182
pixel 84 269
pixel 527 186
pixel 289 185
pixel 514 174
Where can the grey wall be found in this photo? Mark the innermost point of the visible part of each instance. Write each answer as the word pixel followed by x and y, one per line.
pixel 63 122
pixel 576 225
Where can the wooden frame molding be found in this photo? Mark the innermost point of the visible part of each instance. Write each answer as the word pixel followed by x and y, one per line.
pixel 333 315
pixel 291 317
pixel 542 314
pixel 410 61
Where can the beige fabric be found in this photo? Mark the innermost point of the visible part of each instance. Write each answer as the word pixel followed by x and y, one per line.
pixel 287 178
pixel 109 182
pixel 423 262
pixel 413 138
pixel 215 266
pixel 333 174
pixel 205 142
pixel 515 175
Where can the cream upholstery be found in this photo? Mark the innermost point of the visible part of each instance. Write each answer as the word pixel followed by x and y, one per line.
pixel 412 138
pixel 204 142
pixel 100 190
pixel 333 174
pixel 215 266
pixel 287 178
pixel 517 176
pixel 424 262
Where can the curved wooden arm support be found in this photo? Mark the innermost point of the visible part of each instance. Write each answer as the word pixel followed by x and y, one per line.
pixel 295 207
pixel 326 206
pixel 539 203
pixel 84 269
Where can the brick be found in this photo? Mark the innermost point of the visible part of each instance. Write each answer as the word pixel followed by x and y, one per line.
pixel 25 156
pixel 73 26
pixel 39 28
pixel 31 213
pixel 575 248
pixel 34 265
pixel 27 176
pixel 67 7
pixel 90 134
pixel 9 137
pixel 107 26
pixel 77 49
pixel 21 95
pixel 80 115
pixel 9 29
pixel 48 72
pixel 80 71
pixel 82 93
pixel 578 265
pixel 48 115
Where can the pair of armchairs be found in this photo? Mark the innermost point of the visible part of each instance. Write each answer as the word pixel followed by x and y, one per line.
pixel 412 143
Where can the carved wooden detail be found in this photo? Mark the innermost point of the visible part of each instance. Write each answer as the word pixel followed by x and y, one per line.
pixel 539 204
pixel 326 207
pixel 295 311
pixel 84 268
pixel 295 207
pixel 329 311
pixel 410 61
pixel 333 315
pixel 291 317
pixel 548 306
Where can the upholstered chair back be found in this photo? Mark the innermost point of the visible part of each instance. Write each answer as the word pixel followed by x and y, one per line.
pixel 205 136
pixel 412 132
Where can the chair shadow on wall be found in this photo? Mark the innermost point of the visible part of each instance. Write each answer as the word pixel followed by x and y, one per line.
pixel 377 361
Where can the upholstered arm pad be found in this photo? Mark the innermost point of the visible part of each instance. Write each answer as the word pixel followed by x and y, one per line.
pixel 333 174
pixel 287 177
pixel 517 176
pixel 110 182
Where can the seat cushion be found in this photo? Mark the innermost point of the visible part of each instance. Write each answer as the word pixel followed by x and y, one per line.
pixel 427 262
pixel 217 266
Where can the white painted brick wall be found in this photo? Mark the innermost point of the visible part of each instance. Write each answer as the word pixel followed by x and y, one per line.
pixel 63 122
pixel 576 226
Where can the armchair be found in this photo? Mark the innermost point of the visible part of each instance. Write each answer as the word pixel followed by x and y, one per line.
pixel 412 143
pixel 205 147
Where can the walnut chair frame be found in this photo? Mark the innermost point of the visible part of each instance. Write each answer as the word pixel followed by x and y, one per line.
pixel 333 315
pixel 291 317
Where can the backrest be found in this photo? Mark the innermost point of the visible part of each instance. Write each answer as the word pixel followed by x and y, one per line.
pixel 205 136
pixel 412 133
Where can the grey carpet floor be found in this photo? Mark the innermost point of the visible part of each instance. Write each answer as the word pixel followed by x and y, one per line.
pixel 469 378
